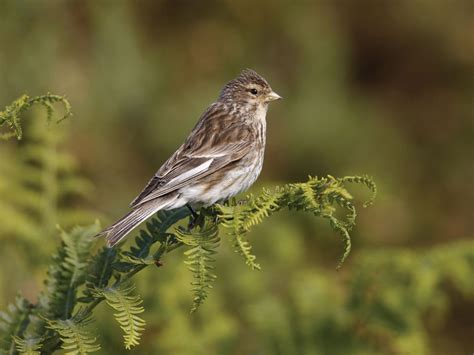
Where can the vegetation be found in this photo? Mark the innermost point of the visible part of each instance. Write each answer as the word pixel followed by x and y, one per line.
pixel 57 319
pixel 11 116
pixel 40 185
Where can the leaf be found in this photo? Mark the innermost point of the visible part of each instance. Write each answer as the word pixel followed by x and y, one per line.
pixel 28 346
pixel 13 323
pixel 203 244
pixel 244 248
pixel 11 115
pixel 367 181
pixel 156 231
pixel 128 306
pixel 72 267
pixel 231 218
pixel 67 272
pixel 259 208
pixel 76 339
pixel 320 196
pixel 99 272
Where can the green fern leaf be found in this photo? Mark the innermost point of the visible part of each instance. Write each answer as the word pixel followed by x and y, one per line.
pixel 232 218
pixel 28 346
pixel 11 116
pixel 203 244
pixel 40 187
pixel 156 231
pixel 367 181
pixel 128 307
pixel 259 208
pixel 67 272
pixel 244 248
pixel 99 272
pixel 320 196
pixel 13 323
pixel 76 339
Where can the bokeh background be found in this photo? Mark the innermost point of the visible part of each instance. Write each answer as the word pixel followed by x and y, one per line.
pixel 383 88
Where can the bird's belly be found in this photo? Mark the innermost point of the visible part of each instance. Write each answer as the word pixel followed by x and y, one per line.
pixel 235 181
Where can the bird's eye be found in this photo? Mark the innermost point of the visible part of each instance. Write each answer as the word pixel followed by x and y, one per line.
pixel 254 91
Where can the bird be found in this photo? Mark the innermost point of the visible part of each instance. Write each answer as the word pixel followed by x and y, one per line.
pixel 222 156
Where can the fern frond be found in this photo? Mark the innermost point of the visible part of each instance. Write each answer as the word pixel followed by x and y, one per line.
pixel 367 181
pixel 128 307
pixel 259 208
pixel 11 116
pixel 76 244
pixel 203 244
pixel 309 200
pixel 156 231
pixel 40 187
pixel 340 227
pixel 99 272
pixel 76 339
pixel 13 323
pixel 320 196
pixel 232 218
pixel 244 248
pixel 67 272
pixel 28 346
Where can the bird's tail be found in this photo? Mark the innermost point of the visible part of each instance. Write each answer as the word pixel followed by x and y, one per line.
pixel 119 230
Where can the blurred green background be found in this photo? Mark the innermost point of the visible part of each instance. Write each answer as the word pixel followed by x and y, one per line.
pixel 382 88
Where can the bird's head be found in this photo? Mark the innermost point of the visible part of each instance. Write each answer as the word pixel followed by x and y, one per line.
pixel 248 88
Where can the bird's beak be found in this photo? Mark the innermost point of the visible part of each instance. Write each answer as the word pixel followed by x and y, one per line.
pixel 273 96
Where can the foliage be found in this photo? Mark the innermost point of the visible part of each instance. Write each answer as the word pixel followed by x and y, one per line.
pixel 39 185
pixel 128 307
pixel 11 116
pixel 202 247
pixel 393 315
pixel 73 267
pixel 14 322
pixel 27 346
pixel 371 315
pixel 67 271
pixel 74 336
pixel 58 321
pixel 317 196
pixel 390 301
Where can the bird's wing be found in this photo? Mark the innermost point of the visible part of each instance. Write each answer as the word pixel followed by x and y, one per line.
pixel 216 141
pixel 191 168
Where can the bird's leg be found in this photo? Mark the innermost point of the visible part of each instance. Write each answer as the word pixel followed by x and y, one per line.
pixel 194 220
pixel 193 212
pixel 242 202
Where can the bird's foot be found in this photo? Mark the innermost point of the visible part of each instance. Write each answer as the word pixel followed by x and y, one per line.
pixel 195 221
pixel 193 212
pixel 242 202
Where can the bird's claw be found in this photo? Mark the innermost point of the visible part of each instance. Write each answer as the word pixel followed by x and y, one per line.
pixel 195 221
pixel 158 263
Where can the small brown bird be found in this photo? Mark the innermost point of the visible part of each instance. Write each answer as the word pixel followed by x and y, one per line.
pixel 221 158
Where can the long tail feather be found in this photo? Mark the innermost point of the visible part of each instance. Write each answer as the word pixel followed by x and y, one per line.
pixel 119 230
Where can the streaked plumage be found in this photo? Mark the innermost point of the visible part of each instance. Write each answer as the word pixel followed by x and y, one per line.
pixel 222 156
